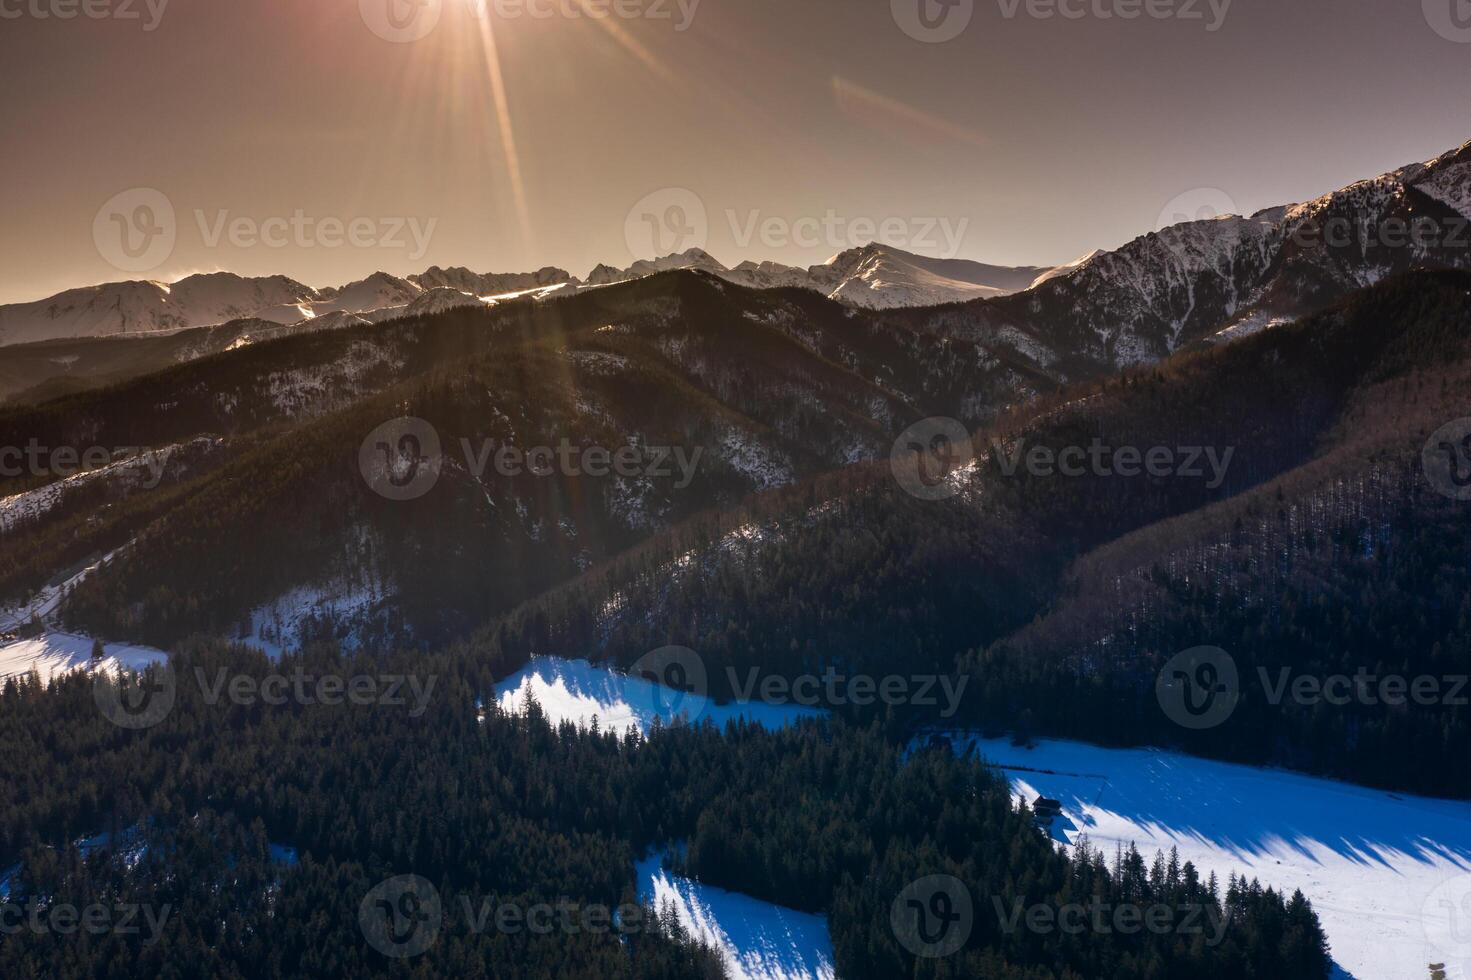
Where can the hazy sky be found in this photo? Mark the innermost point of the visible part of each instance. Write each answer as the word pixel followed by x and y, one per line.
pixel 797 126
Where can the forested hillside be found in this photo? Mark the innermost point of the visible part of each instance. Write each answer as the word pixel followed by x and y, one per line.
pixel 1061 597
pixel 825 818
pixel 752 390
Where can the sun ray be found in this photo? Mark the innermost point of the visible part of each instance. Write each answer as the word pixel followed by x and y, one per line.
pixel 628 42
pixel 885 113
pixel 507 129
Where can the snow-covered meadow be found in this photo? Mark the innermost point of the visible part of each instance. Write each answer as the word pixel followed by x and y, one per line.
pixel 1387 873
pixel 52 654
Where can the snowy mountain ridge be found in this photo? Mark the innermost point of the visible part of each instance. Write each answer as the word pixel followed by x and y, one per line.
pixel 1224 276
pixel 874 276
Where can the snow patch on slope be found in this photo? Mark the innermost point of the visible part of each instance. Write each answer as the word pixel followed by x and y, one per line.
pixel 581 692
pixel 32 505
pixel 756 939
pixel 280 626
pixel 755 461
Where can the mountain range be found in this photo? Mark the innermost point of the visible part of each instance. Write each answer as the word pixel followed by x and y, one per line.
pixel 874 276
pixel 1197 282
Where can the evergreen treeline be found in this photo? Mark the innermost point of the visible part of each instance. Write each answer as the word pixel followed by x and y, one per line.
pixel 830 818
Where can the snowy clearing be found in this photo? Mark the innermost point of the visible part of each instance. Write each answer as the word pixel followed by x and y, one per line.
pixel 1368 860
pixel 579 692
pixel 757 940
pixel 53 654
